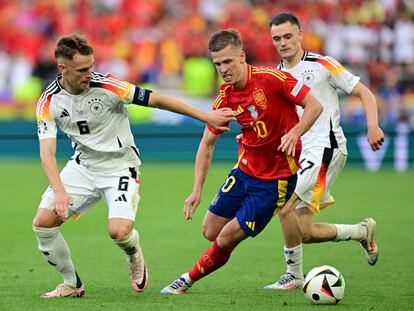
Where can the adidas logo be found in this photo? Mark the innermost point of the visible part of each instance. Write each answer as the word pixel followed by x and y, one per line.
pixel 65 113
pixel 251 224
pixel 121 198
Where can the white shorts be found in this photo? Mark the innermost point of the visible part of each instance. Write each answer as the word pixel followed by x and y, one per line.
pixel 320 168
pixel 119 190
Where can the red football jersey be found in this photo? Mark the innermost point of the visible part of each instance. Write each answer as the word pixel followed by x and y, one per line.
pixel 266 110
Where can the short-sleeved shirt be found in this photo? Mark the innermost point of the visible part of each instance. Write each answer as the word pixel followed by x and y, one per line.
pixel 266 110
pixel 96 121
pixel 325 76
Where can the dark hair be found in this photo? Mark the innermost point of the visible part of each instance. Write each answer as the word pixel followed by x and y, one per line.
pixel 284 18
pixel 222 38
pixel 68 46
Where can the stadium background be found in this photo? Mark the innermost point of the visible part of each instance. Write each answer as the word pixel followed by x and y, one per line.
pixel 163 45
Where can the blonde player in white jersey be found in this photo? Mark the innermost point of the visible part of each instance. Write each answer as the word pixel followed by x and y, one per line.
pixel 90 108
pixel 324 150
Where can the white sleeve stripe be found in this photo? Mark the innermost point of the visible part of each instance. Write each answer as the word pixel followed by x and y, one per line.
pixel 43 99
pixel 111 81
pixel 122 84
pixel 333 62
pixel 117 85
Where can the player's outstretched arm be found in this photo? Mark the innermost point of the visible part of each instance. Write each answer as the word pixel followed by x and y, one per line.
pixel 312 108
pixel 202 166
pixel 50 168
pixel 217 119
pixel 375 134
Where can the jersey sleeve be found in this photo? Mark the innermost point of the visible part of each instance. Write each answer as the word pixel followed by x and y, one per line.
pixel 125 91
pixel 339 77
pixel 219 102
pixel 291 89
pixel 46 125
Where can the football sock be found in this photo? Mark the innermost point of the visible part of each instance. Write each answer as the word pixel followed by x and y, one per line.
pixel 210 261
pixel 350 232
pixel 56 251
pixel 130 243
pixel 293 258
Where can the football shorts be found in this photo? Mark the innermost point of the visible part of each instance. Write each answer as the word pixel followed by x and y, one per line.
pixel 320 168
pixel 252 201
pixel 119 190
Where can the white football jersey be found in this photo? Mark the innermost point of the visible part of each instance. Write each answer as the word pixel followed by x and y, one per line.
pixel 96 121
pixel 324 75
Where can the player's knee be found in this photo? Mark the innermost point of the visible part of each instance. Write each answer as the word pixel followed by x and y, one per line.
pixel 46 219
pixel 119 233
pixel 226 242
pixel 306 236
pixel 284 212
pixel 209 234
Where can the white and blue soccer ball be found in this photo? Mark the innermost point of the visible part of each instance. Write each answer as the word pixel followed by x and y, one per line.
pixel 324 285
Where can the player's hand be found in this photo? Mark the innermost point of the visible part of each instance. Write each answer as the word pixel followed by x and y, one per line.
pixel 61 203
pixel 375 137
pixel 191 204
pixel 288 143
pixel 219 119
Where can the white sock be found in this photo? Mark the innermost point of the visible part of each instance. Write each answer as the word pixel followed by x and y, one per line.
pixel 57 253
pixel 293 258
pixel 129 244
pixel 350 232
pixel 186 277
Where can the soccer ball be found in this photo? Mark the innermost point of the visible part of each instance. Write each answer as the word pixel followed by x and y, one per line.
pixel 324 285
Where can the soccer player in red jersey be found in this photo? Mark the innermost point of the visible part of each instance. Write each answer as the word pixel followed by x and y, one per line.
pixel 264 178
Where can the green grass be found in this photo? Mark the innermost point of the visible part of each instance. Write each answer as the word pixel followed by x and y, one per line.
pixel 171 247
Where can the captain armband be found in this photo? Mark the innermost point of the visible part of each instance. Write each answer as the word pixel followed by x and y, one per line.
pixel 141 96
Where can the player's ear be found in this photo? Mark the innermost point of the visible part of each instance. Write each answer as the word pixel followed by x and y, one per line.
pixel 61 67
pixel 242 57
pixel 300 34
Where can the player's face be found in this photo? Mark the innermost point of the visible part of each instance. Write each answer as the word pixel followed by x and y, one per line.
pixel 286 39
pixel 76 73
pixel 230 63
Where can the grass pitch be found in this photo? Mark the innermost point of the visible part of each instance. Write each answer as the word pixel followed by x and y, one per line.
pixel 171 247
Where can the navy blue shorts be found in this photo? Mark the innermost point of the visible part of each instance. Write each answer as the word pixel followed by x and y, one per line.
pixel 252 201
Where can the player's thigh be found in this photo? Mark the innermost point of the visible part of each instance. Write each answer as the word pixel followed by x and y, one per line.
pixel 312 185
pixel 225 204
pixel 229 197
pixel 335 168
pixel 79 184
pixel 261 201
pixel 120 191
pixel 212 225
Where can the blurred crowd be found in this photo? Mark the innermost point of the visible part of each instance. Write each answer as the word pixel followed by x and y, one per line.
pixel 163 43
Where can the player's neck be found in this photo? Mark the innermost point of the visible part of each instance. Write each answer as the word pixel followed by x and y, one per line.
pixel 244 76
pixel 294 60
pixel 68 87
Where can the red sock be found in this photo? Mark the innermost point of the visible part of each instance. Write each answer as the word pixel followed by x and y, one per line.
pixel 210 261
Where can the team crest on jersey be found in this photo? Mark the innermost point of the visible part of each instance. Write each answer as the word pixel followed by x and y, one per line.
pixel 253 111
pixel 41 127
pixel 260 98
pixel 308 77
pixel 95 106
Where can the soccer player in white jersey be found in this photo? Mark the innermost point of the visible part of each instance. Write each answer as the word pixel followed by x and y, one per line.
pixel 324 150
pixel 90 108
